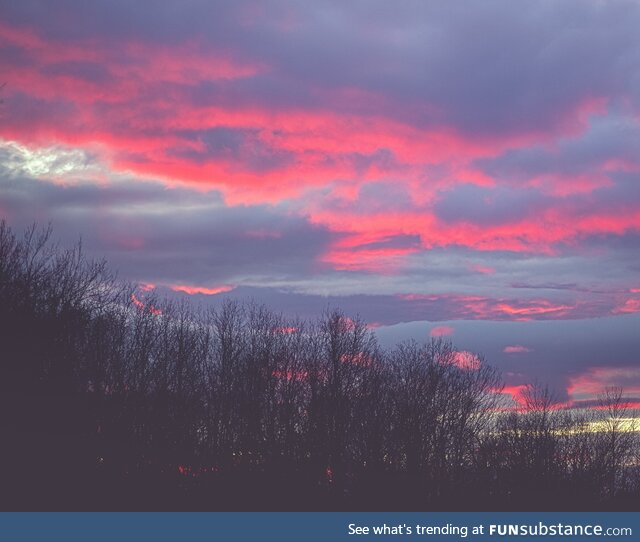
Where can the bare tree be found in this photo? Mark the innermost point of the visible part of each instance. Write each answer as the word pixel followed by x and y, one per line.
pixel 128 390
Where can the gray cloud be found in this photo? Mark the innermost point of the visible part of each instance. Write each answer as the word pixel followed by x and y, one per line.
pixel 486 206
pixel 610 137
pixel 496 68
pixel 497 71
pixel 242 146
pixel 560 352
pixel 151 233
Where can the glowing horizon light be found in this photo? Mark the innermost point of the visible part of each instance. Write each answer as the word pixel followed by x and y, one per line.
pixel 627 424
pixel 43 161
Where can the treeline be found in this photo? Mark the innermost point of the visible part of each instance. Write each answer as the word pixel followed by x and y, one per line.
pixel 114 400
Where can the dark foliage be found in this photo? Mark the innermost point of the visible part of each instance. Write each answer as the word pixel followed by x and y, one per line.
pixel 108 402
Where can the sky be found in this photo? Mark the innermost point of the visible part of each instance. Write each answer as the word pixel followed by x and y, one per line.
pixel 442 169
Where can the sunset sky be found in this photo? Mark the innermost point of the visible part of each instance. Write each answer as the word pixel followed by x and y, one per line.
pixel 468 170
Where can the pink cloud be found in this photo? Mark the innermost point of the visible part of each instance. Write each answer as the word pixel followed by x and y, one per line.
pixel 466 360
pixel 516 349
pixel 144 307
pixel 587 385
pixel 480 307
pixel 192 290
pixel 629 306
pixel 164 137
pixel 146 286
pixel 441 331
pixel 482 269
pixel 517 393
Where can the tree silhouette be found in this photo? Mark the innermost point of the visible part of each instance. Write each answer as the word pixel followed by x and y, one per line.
pixel 115 399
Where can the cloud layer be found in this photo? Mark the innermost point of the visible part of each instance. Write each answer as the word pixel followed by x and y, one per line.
pixel 418 162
